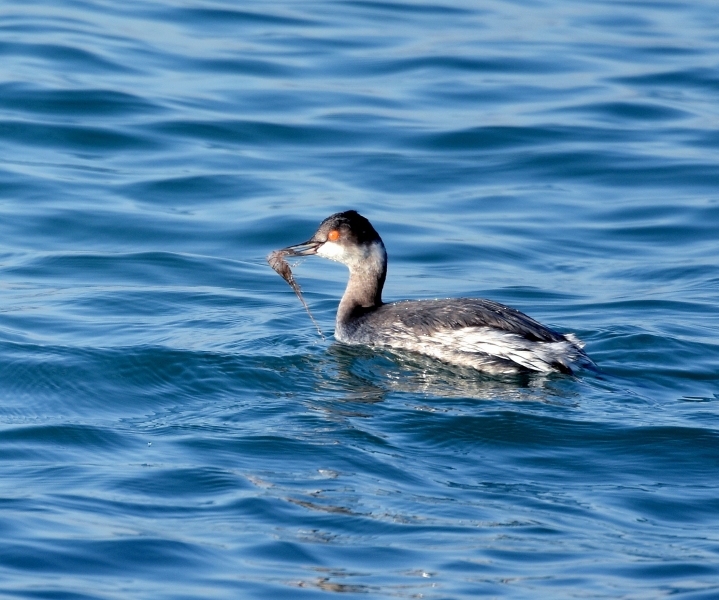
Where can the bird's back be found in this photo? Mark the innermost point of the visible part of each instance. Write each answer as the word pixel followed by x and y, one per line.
pixel 473 332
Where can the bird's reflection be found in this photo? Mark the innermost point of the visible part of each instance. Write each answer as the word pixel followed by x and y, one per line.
pixel 357 374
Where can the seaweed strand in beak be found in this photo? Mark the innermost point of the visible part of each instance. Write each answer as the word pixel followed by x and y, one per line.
pixel 276 260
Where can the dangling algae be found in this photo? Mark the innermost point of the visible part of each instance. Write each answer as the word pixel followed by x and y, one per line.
pixel 276 260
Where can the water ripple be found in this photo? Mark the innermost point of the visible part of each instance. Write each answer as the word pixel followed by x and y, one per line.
pixel 172 426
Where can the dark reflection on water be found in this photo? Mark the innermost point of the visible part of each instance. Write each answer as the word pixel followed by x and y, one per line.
pixel 172 426
pixel 372 374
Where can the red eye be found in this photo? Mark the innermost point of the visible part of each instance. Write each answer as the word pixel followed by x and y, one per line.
pixel 333 235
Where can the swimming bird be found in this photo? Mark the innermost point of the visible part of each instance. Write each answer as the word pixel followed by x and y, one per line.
pixel 472 332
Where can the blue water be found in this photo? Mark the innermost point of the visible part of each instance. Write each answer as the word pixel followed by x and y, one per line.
pixel 171 424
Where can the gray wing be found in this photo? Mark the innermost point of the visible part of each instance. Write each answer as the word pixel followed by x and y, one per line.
pixel 425 317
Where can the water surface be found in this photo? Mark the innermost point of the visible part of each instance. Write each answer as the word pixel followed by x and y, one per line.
pixel 172 426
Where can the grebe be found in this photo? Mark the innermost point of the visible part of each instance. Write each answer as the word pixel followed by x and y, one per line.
pixel 471 332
